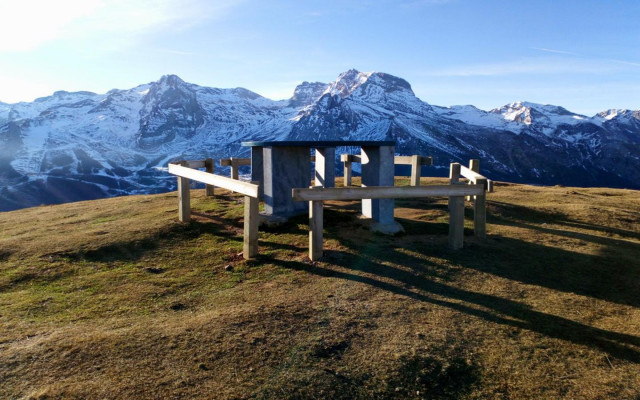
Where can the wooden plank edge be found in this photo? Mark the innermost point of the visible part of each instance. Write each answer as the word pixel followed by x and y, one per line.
pixel 385 192
pixel 248 189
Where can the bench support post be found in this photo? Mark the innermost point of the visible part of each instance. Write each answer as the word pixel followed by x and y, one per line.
pixel 480 212
pixel 250 241
pixel 234 168
pixel 456 222
pixel 184 199
pixel 416 166
pixel 347 160
pixel 315 230
pixel 456 211
pixel 210 168
pixel 474 165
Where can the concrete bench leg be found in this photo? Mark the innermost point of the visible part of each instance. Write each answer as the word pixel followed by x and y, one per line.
pixel 416 166
pixel 184 199
pixel 315 230
pixel 456 211
pixel 234 168
pixel 325 167
pixel 250 241
pixel 456 222
pixel 474 165
pixel 347 173
pixel 209 166
pixel 480 216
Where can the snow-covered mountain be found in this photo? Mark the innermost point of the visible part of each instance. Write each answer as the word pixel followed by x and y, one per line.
pixel 83 145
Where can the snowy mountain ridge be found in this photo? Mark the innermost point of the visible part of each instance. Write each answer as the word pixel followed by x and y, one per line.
pixel 79 145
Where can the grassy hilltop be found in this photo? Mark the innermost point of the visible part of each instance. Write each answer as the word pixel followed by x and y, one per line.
pixel 116 299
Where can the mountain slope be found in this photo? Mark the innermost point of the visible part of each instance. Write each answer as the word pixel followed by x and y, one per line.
pixel 82 145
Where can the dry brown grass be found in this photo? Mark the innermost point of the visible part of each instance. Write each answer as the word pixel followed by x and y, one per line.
pixel 116 299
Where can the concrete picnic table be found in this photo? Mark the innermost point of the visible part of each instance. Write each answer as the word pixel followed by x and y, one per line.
pixel 280 166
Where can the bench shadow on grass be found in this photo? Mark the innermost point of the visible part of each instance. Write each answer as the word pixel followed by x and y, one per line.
pixel 499 310
pixel 546 266
pixel 515 215
pixel 612 275
pixel 134 250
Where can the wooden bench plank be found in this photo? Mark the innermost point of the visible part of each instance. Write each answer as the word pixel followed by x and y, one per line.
pixel 471 175
pixel 248 189
pixel 384 192
pixel 192 163
pixel 226 162
pixel 408 160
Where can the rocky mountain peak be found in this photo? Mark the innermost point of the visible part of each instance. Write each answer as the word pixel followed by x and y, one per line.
pixel 610 113
pixel 306 93
pixel 517 112
pixel 171 109
pixel 529 113
pixel 613 113
pixel 168 89
pixel 348 82
pixel 63 95
pixel 389 82
pixel 170 80
pixel 246 93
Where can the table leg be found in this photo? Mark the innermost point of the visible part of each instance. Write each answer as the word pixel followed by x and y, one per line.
pixel 285 168
pixel 378 170
pixel 326 167
pixel 257 170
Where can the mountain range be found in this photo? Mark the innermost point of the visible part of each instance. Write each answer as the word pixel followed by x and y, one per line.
pixel 82 145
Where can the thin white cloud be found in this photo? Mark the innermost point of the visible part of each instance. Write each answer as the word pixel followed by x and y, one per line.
pixel 554 51
pixel 541 65
pixel 635 64
pixel 28 24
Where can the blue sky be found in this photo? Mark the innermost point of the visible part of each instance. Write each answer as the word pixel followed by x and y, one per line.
pixel 583 55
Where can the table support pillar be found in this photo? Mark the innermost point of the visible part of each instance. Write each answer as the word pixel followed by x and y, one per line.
pixel 378 170
pixel 325 166
pixel 285 168
pixel 257 173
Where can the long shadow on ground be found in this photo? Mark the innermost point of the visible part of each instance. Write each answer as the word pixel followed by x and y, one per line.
pixel 601 276
pixel 133 250
pixel 496 309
